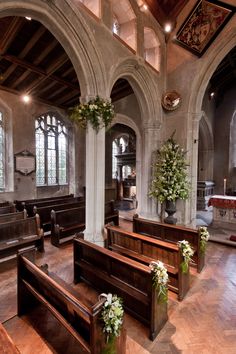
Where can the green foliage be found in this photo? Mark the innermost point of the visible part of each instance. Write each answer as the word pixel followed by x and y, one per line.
pixel 187 253
pixel 204 237
pixel 112 316
pixel 98 112
pixel 160 280
pixel 170 173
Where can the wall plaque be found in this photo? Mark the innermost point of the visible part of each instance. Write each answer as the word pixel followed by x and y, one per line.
pixel 25 162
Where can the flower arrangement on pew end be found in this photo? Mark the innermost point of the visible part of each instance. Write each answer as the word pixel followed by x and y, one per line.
pixel 204 237
pixel 98 112
pixel 112 316
pixel 160 280
pixel 187 253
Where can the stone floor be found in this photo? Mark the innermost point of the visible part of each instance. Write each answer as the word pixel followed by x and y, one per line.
pixel 203 323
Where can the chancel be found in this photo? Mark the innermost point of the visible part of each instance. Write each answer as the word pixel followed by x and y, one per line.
pixel 117 176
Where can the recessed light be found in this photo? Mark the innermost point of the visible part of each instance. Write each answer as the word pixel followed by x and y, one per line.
pixel 26 98
pixel 167 28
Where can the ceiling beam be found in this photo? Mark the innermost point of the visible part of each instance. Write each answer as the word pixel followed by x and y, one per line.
pixel 38 70
pixel 13 28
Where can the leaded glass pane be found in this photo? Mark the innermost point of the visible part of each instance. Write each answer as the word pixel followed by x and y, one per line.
pixel 40 158
pixel 52 175
pixel 114 159
pixel 62 159
pixel 51 151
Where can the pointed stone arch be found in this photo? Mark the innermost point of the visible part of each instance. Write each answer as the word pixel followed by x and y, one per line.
pixel 199 86
pixel 70 29
pixel 144 86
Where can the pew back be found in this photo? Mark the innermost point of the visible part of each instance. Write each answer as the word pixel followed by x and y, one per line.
pixel 108 271
pixel 21 203
pixel 146 249
pixel 7 209
pixel 45 212
pixel 171 233
pixel 78 316
pixel 111 214
pixel 19 234
pixel 13 216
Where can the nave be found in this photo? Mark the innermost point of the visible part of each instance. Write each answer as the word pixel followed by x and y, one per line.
pixel 204 322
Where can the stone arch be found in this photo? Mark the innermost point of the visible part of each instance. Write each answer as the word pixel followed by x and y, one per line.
pixel 125 120
pixel 205 150
pixel 144 87
pixel 63 22
pixel 209 65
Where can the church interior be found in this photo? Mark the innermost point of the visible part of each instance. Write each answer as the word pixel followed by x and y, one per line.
pixel 77 219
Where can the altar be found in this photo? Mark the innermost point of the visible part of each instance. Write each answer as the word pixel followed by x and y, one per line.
pixel 224 211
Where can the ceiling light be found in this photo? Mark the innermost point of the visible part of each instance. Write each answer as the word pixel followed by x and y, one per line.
pixel 28 18
pixel 167 28
pixel 26 98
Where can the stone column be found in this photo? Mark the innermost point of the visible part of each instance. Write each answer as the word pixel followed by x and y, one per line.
pixel 95 185
pixel 147 207
pixel 192 149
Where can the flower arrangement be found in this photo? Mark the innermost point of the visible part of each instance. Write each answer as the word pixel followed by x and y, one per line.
pixel 204 237
pixel 160 280
pixel 112 316
pixel 170 173
pixel 98 112
pixel 187 253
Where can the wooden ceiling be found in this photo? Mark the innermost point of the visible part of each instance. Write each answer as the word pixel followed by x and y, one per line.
pixel 33 62
pixel 166 10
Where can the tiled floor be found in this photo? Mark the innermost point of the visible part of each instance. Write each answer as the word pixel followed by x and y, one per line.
pixel 204 322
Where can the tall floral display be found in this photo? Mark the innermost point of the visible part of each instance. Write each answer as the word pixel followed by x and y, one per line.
pixel 98 112
pixel 170 181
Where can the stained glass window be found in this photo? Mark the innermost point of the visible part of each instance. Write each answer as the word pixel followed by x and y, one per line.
pixel 51 151
pixel 114 158
pixel 2 153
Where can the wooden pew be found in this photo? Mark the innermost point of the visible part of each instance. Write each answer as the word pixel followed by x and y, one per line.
pixel 20 204
pixel 7 209
pixel 66 223
pixel 13 216
pixel 171 233
pixel 32 207
pixel 111 214
pixel 2 204
pixel 145 249
pixel 45 213
pixel 6 344
pixel 80 317
pixel 132 281
pixel 19 234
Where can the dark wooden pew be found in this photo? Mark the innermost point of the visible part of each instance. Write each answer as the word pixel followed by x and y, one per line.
pixel 171 233
pixel 32 207
pixel 6 344
pixel 132 281
pixel 145 249
pixel 111 214
pixel 7 209
pixel 2 204
pixel 13 216
pixel 45 213
pixel 80 317
pixel 20 204
pixel 19 234
pixel 66 223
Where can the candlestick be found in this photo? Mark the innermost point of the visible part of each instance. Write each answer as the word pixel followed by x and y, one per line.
pixel 224 186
